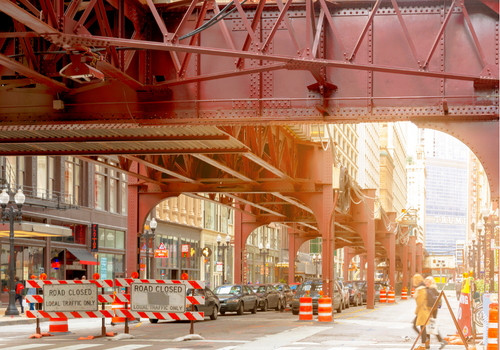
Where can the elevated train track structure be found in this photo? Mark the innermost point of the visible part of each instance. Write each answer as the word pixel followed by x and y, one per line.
pixel 202 97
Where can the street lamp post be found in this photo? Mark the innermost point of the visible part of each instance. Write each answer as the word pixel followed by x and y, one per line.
pixel 11 215
pixel 316 261
pixel 479 227
pixel 147 236
pixel 265 252
pixel 489 256
pixel 223 247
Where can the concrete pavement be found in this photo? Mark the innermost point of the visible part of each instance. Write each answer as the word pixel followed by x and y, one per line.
pixel 386 327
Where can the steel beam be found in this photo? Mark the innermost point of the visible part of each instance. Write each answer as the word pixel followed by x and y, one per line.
pixel 223 167
pixel 161 169
pixel 111 139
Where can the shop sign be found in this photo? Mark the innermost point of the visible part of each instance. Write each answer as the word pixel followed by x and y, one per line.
pixel 70 297
pixel 185 250
pixel 104 268
pixel 94 238
pixel 158 297
pixel 219 266
pixel 161 252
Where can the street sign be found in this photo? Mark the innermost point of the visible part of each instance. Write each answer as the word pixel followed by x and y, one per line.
pixel 70 297
pixel 185 250
pixel 158 297
pixel 161 252
pixel 219 266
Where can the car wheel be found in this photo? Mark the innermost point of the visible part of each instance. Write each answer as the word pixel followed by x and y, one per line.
pixel 240 309
pixel 223 313
pixel 278 307
pixel 264 306
pixel 254 310
pixel 348 303
pixel 215 313
pixel 153 320
pixel 339 310
pixel 295 312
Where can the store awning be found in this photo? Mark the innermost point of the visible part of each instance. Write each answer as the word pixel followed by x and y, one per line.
pixel 83 255
pixel 34 229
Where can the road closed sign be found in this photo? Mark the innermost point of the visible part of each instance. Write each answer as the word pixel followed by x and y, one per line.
pixel 70 297
pixel 158 297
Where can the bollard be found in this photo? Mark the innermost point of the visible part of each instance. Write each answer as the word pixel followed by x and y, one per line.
pixel 383 296
pixel 391 296
pixel 404 294
pixel 325 309
pixel 493 328
pixel 306 309
pixel 58 325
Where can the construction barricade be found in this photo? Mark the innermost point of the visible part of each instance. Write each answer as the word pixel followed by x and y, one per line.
pixel 61 300
pixel 493 328
pixel 412 292
pixel 404 294
pixel 161 300
pixel 391 296
pixel 325 309
pixel 383 296
pixel 306 309
pixel 119 302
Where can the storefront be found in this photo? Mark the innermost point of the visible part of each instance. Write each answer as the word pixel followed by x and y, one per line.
pixel 182 243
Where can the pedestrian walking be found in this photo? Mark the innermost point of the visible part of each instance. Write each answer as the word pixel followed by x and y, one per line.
pixel 432 295
pixel 422 311
pixel 458 288
pixel 31 291
pixel 19 292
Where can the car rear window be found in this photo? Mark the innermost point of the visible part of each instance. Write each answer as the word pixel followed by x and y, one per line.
pixel 311 286
pixel 228 290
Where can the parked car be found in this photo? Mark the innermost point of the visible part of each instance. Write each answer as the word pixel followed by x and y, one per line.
pixel 345 294
pixel 286 293
pixel 355 297
pixel 212 304
pixel 269 296
pixel 236 298
pixel 362 286
pixel 314 286
pixel 293 286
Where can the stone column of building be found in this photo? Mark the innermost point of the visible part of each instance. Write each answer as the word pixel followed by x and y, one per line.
pixel 292 252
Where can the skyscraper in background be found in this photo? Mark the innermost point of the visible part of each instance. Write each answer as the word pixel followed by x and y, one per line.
pixel 446 197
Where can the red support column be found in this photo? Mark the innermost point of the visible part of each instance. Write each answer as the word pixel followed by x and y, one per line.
pixel 392 260
pixel 243 227
pixel 347 260
pixel 420 258
pixel 405 266
pixel 413 252
pixel 292 253
pixel 132 224
pixel 362 263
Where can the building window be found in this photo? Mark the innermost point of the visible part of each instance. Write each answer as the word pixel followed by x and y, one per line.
pixel 100 187
pixel 78 233
pixel 111 238
pixel 113 190
pixel 72 180
pixel 45 178
pixel 124 194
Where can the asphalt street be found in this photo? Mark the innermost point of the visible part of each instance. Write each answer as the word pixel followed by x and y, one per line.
pixel 388 326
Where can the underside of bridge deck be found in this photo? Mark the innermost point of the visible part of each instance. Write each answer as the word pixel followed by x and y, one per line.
pixel 194 97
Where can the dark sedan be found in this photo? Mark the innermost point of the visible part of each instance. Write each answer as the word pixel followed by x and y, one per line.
pixel 286 293
pixel 314 287
pixel 212 304
pixel 355 297
pixel 362 286
pixel 236 298
pixel 269 297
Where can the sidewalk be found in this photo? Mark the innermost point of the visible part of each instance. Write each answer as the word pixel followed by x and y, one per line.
pixel 22 318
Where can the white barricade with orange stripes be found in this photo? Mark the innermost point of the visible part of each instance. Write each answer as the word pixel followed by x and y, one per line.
pixel 102 298
pixel 187 316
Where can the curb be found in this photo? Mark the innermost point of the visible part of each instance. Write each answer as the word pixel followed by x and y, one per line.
pixel 14 322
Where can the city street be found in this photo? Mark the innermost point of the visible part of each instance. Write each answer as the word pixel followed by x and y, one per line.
pixel 355 328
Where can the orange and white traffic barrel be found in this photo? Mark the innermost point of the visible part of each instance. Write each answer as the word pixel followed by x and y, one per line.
pixel 391 296
pixel 404 294
pixel 58 325
pixel 493 328
pixel 117 305
pixel 306 309
pixel 325 309
pixel 412 292
pixel 383 297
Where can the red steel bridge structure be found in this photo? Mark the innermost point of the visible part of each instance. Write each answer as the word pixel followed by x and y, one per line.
pixel 202 97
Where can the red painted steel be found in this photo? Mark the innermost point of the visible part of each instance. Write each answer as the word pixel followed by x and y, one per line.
pixel 433 63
